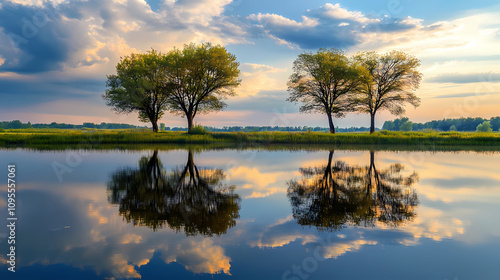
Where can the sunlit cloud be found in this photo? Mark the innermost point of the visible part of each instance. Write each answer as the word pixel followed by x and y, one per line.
pixel 131 238
pixel 338 249
pixel 123 268
pixel 261 184
pixel 433 224
pixel 259 77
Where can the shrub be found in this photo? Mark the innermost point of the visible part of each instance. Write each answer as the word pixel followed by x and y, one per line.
pixel 197 129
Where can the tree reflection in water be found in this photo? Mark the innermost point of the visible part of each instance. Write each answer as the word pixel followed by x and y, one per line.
pixel 336 195
pixel 190 199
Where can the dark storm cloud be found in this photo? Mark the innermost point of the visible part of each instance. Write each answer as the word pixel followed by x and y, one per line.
pixel 35 40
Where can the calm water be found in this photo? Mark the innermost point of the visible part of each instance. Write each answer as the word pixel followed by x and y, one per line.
pixel 254 215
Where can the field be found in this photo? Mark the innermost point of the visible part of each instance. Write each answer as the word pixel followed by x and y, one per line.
pixel 95 138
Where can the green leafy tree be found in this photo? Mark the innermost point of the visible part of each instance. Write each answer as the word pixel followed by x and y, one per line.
pixel 139 85
pixel 322 81
pixel 453 128
pixel 388 125
pixel 390 82
pixel 162 127
pixel 407 126
pixel 495 123
pixel 484 127
pixel 200 77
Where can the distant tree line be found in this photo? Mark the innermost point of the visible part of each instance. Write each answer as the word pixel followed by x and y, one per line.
pixel 460 124
pixel 270 128
pixel 17 124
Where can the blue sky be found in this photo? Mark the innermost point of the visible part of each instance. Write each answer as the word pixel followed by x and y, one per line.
pixel 55 55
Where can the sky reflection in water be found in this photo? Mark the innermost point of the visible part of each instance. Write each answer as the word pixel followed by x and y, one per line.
pixel 246 215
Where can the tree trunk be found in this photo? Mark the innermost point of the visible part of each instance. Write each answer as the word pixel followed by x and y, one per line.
pixel 372 126
pixel 191 168
pixel 190 121
pixel 155 125
pixel 330 122
pixel 372 160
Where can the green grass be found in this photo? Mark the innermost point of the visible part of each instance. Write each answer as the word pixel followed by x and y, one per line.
pixel 93 138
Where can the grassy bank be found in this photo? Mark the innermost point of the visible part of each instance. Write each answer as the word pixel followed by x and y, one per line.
pixel 92 138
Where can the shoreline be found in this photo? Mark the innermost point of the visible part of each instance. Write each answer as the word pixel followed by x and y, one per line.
pixel 111 139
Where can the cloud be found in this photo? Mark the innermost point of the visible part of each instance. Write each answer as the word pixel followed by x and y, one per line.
pixel 200 257
pixel 333 26
pixel 27 90
pixel 338 249
pixel 64 49
pixel 259 77
pixel 123 268
pixel 85 33
pixel 338 13
pixel 38 39
pixel 262 183
pixel 264 101
pixel 281 21
pixel 462 95
pixel 458 78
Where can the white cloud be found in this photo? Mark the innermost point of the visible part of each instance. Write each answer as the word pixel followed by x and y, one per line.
pixel 337 12
pixel 278 20
pixel 200 11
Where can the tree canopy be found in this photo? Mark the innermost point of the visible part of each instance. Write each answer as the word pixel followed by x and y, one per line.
pixel 389 83
pixel 200 77
pixel 484 127
pixel 322 81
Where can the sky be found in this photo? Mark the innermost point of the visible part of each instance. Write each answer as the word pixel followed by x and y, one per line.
pixel 55 54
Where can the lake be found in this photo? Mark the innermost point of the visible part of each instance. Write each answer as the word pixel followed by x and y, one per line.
pixel 253 214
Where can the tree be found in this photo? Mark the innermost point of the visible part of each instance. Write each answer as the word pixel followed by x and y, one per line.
pixel 390 83
pixel 484 127
pixel 453 128
pixel 407 126
pixel 200 76
pixel 495 123
pixel 323 81
pixel 162 127
pixel 139 85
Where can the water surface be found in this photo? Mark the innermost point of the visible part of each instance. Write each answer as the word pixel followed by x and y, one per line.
pixel 229 214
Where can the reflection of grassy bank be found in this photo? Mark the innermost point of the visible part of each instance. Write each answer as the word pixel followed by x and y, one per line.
pixel 117 138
